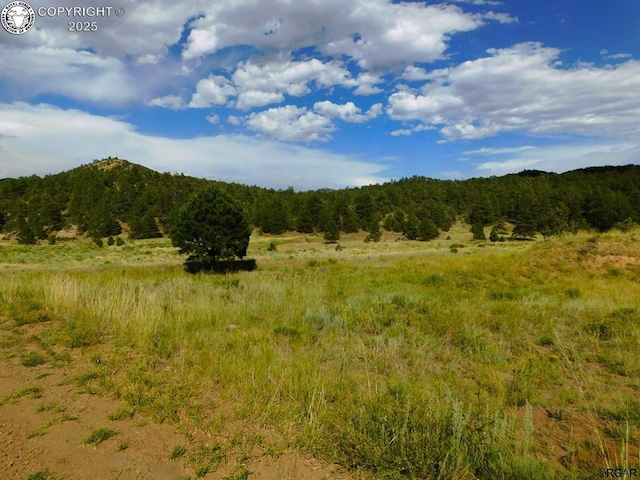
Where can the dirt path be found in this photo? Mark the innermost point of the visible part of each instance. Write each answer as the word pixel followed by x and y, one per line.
pixel 47 418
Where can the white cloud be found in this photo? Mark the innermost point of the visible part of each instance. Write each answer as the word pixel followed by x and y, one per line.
pixel 267 82
pixel 291 123
pixel 172 102
pixel 521 89
pixel 213 118
pixel 500 17
pixel 561 158
pixel 347 112
pixel 409 131
pixel 43 139
pixel 401 132
pixel 492 3
pixel 367 84
pixel 375 33
pixel 211 91
pixel 499 151
pixel 255 98
pixel 412 73
pixel 615 56
pixel 386 35
pixel 145 30
pixel 80 75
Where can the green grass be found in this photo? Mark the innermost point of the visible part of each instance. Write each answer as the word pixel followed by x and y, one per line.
pixel 33 359
pixel 41 475
pixel 124 413
pixel 99 435
pixel 395 359
pixel 27 392
pixel 178 451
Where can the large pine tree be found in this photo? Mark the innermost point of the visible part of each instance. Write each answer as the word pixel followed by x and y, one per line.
pixel 211 226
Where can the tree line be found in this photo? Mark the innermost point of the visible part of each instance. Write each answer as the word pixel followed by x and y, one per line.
pixel 100 197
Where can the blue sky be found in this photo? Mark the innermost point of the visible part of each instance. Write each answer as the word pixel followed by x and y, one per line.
pixel 326 93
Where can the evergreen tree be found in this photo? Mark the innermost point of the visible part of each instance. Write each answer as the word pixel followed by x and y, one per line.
pixel 478 231
pixel 365 209
pixel 375 234
pixel 211 226
pixel 427 230
pixel 412 227
pixel 351 224
pixel 493 236
pixel 143 227
pixel 26 235
pixel 102 221
pixel 332 232
pixel 310 212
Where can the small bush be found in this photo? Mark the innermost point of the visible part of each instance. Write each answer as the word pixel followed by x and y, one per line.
pixel 119 241
pixel 99 243
pixel 110 240
pixel 272 247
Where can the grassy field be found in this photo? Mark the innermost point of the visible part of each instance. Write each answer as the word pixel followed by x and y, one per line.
pixel 449 359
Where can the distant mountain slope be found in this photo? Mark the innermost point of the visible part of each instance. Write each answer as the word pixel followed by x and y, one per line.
pixel 103 197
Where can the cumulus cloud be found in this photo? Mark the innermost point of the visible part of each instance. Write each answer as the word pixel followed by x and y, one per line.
pixel 214 90
pixel 376 33
pixel 412 73
pixel 44 139
pixel 172 102
pixel 267 82
pixel 347 112
pixel 213 118
pixel 291 123
pixel 523 89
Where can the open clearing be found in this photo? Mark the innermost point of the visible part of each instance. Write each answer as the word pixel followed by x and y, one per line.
pixel 447 359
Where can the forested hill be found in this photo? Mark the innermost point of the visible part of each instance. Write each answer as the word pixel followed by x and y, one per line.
pixel 105 196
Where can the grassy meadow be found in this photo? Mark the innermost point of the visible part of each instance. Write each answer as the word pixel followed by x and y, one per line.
pixel 448 359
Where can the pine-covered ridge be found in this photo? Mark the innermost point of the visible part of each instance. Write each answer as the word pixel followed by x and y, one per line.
pixel 114 196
